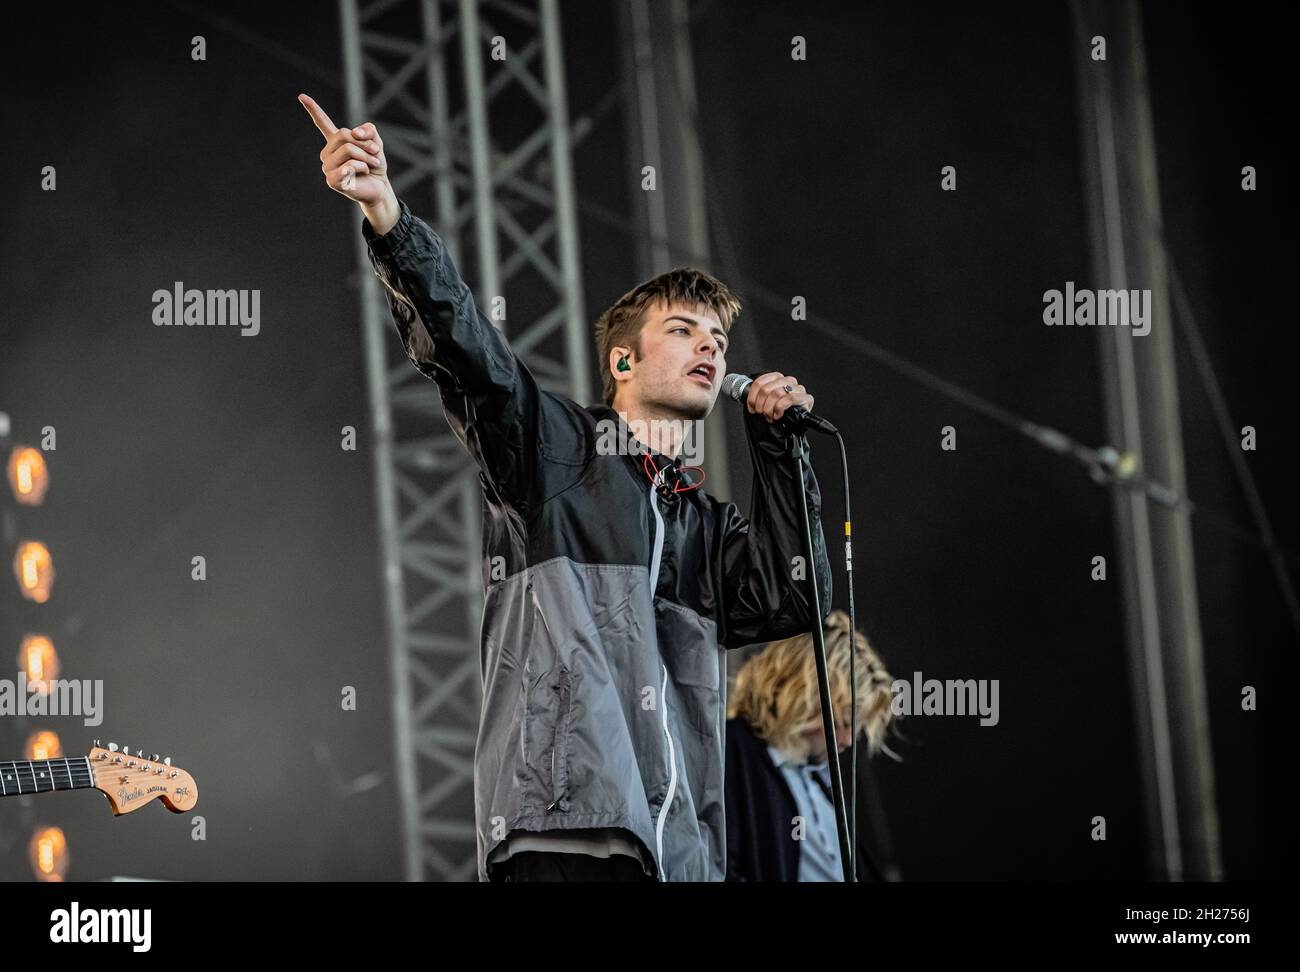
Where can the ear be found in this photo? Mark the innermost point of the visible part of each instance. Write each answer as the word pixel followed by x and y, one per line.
pixel 615 355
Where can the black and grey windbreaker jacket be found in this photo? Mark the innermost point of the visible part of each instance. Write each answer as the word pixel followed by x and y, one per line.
pixel 604 683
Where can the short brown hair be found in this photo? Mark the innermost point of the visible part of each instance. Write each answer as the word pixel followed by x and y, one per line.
pixel 621 324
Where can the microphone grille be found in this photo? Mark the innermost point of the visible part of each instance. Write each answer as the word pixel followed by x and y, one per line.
pixel 735 386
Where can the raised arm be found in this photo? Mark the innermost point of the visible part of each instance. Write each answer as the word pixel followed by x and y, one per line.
pixel 508 424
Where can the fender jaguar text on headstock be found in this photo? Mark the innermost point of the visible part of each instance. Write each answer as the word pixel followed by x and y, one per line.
pixel 128 781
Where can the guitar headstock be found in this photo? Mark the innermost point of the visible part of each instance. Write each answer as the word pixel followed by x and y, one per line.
pixel 130 781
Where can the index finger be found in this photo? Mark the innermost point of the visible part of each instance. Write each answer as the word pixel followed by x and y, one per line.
pixel 318 116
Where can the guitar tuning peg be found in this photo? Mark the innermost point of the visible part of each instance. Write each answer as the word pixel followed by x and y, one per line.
pixel 154 758
pixel 112 747
pixel 168 761
pixel 140 753
pixel 96 743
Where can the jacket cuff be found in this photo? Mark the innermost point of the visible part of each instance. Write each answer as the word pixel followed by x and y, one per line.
pixel 387 244
pixel 772 439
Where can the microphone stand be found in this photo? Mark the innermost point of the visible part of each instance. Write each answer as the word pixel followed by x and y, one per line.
pixel 799 450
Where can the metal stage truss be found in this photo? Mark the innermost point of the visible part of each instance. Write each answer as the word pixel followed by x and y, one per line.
pixel 479 145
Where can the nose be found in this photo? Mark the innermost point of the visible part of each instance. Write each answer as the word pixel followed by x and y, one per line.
pixel 709 345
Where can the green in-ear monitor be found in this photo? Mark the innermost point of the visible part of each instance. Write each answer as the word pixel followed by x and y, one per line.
pixel 623 365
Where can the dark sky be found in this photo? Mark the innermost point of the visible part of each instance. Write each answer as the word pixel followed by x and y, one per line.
pixel 970 564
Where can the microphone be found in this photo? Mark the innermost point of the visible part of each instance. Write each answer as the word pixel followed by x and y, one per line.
pixel 737 387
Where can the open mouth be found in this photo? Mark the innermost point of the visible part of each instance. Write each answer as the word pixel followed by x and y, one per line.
pixel 703 373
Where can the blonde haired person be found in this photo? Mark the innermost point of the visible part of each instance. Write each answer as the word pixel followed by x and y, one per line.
pixel 780 816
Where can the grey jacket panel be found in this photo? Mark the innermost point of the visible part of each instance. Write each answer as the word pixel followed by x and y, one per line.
pixel 600 709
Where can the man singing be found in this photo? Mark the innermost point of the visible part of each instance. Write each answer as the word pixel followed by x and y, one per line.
pixel 600 743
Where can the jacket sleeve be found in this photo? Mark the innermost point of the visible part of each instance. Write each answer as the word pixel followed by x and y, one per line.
pixel 765 594
pixel 493 404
